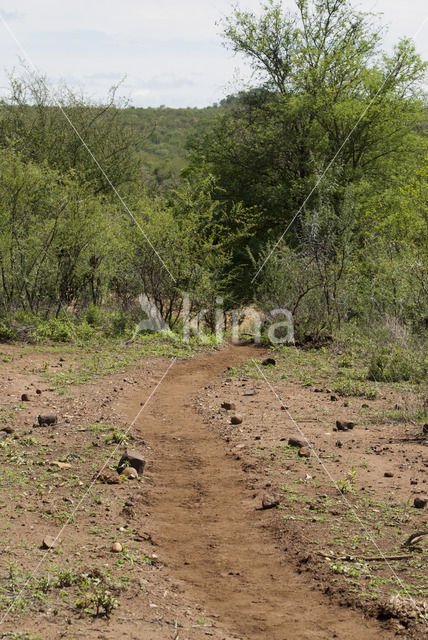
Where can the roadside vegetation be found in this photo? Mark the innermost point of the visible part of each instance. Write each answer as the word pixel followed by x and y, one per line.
pixel 307 191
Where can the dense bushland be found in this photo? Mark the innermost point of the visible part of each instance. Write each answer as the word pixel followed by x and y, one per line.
pixel 307 191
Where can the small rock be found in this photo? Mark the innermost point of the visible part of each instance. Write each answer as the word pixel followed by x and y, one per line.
pixel 50 418
pixel 109 477
pixel 284 407
pixel 229 406
pixel 60 465
pixel 296 442
pixel 269 502
pixel 344 425
pixel 249 392
pixel 269 361
pixel 38 391
pixel 420 502
pixel 425 429
pixel 116 547
pixel 364 406
pixel 333 398
pixel 236 419
pixel 3 434
pixel 132 458
pixel 49 542
pixel 388 474
pixel 8 429
pixel 25 397
pixel 413 481
pixel 130 473
pixel 304 452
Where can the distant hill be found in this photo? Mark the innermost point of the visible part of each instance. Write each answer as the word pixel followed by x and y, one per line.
pixel 165 134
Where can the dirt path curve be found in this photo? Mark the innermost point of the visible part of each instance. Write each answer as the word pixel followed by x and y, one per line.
pixel 208 531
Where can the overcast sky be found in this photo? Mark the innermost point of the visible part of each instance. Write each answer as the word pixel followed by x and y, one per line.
pixel 169 50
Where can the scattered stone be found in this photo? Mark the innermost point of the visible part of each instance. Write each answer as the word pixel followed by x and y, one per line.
pixel 116 547
pixel 249 392
pixel 132 458
pixel 73 456
pixel 420 502
pixel 269 502
pixel 229 406
pixel 49 542
pixel 365 406
pixel 284 407
pixel 413 481
pixel 236 419
pixel 296 442
pixel 269 361
pixel 60 465
pixel 339 444
pixel 333 398
pixel 109 477
pixel 344 425
pixel 50 418
pixel 130 473
pixel 25 397
pixel 38 391
pixel 388 474
pixel 304 452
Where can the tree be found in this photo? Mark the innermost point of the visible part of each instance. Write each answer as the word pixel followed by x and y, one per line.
pixel 327 99
pixel 59 129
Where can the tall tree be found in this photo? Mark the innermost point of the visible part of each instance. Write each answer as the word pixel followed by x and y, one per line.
pixel 328 101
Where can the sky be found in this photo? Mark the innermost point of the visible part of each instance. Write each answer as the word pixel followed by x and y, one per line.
pixel 165 52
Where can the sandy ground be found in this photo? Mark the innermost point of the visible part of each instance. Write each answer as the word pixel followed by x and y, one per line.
pixel 201 558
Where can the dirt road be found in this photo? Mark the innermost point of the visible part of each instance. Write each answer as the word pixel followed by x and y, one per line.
pixel 208 530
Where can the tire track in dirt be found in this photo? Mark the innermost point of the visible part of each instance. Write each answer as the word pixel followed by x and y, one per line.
pixel 208 532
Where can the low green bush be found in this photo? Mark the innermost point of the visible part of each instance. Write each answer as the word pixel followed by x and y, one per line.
pixel 397 364
pixel 7 333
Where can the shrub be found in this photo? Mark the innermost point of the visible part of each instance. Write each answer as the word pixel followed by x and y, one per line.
pixel 7 333
pixel 56 329
pixel 93 315
pixel 397 364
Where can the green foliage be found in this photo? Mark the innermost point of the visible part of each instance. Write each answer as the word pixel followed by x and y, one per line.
pixel 316 178
pixel 161 146
pixel 41 126
pixel 397 364
pixel 329 108
pixel 96 597
pixel 117 436
pixel 7 333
